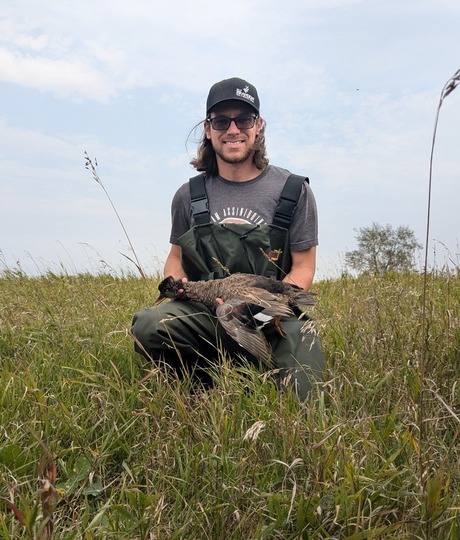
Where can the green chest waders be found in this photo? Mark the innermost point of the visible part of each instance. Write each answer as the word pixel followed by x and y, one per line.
pixel 212 250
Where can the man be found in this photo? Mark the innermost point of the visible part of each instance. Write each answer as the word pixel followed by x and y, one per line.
pixel 228 220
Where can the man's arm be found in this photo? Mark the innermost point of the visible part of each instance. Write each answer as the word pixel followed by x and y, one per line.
pixel 303 268
pixel 173 265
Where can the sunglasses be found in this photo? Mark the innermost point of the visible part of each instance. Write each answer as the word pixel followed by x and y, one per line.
pixel 222 123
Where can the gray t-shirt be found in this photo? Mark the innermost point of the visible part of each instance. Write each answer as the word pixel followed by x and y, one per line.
pixel 253 201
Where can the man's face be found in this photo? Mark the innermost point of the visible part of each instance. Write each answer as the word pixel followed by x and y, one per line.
pixel 234 144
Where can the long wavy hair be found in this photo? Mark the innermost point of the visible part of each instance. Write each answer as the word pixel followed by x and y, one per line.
pixel 205 160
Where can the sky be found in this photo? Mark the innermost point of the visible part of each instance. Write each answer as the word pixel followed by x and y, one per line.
pixel 349 90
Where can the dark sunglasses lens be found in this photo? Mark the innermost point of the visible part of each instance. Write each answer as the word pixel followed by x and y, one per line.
pixel 245 122
pixel 220 123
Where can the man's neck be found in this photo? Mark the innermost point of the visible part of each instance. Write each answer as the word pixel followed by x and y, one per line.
pixel 238 172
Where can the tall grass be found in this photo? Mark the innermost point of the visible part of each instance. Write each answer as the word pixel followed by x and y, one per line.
pixel 162 459
pixel 426 474
pixel 91 166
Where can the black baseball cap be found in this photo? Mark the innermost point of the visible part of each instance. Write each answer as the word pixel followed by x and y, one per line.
pixel 232 89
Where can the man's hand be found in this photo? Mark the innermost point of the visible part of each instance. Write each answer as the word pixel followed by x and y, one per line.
pixel 181 291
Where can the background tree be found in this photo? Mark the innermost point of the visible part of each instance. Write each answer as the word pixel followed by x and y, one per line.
pixel 382 249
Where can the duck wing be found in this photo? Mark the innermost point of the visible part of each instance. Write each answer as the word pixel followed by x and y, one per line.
pixel 243 322
pixel 295 295
pixel 267 299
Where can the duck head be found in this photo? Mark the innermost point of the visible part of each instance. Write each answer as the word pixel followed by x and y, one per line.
pixel 170 288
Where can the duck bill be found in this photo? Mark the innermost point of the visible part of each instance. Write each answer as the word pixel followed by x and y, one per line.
pixel 159 300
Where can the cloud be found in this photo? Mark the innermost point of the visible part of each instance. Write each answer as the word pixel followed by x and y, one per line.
pixel 96 51
pixel 69 77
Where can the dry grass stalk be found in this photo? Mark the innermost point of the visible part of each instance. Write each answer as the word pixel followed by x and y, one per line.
pixel 449 87
pixel 93 168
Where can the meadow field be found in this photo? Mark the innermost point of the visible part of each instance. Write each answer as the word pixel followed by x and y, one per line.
pixel 95 444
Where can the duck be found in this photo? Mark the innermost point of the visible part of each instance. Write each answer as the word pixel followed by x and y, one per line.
pixel 244 305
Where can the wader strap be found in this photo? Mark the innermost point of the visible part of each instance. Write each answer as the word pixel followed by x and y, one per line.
pixel 199 198
pixel 288 200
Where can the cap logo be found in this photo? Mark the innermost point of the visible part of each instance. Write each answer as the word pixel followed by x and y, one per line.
pixel 243 93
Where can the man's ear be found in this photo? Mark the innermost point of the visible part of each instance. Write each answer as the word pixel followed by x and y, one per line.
pixel 259 125
pixel 207 129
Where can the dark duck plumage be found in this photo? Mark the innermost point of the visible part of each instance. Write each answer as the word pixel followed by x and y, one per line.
pixel 249 303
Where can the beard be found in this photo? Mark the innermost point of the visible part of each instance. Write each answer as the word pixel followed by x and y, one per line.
pixel 235 159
